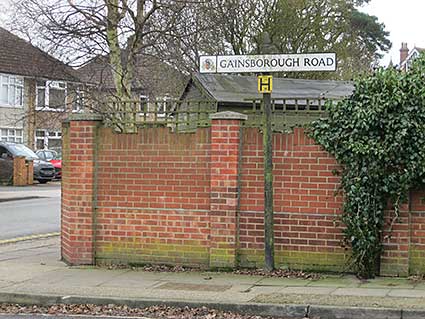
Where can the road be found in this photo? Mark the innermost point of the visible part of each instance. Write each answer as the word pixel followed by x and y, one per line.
pixel 19 218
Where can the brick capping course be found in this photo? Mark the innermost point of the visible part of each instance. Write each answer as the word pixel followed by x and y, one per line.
pixel 228 115
pixel 84 117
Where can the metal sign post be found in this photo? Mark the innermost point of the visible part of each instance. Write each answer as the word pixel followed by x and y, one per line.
pixel 265 86
pixel 264 64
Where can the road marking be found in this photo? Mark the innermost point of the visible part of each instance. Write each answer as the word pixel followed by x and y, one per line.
pixel 30 237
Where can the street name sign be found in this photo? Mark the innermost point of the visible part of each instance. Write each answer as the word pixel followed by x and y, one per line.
pixel 268 63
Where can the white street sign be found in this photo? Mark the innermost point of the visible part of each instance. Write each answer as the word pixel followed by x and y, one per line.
pixel 268 63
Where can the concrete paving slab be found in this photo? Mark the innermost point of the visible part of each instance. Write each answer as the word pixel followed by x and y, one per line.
pixel 6 283
pixel 233 278
pixel 21 272
pixel 335 281
pixel 193 287
pixel 47 243
pixel 308 290
pixel 365 292
pixel 85 278
pixel 59 290
pixel 236 279
pixel 340 301
pixel 420 285
pixel 388 283
pixel 134 279
pixel 241 288
pixel 199 295
pixel 36 257
pixel 259 290
pixel 407 293
pixel 9 256
pixel 283 282
pixel 211 278
pixel 62 276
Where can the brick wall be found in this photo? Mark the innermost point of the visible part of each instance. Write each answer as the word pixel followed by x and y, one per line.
pixel 153 197
pixel 306 206
pixel 417 233
pixel 197 199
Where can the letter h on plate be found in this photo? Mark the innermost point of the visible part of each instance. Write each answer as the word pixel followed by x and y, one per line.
pixel 265 84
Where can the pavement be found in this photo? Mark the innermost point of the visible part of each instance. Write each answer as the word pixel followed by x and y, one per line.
pixel 31 272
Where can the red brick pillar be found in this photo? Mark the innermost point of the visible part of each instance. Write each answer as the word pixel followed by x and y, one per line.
pixel 225 148
pixel 19 171
pixel 78 188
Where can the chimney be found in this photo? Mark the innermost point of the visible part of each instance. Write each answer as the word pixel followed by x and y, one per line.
pixel 404 52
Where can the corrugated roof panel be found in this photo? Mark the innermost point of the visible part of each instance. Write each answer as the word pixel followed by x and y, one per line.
pixel 237 88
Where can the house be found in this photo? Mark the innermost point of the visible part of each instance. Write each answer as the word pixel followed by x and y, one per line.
pixel 153 79
pixel 35 90
pixel 297 100
pixel 406 56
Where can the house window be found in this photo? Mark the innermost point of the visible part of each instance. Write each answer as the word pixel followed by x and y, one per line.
pixel 11 135
pixel 45 139
pixel 78 100
pixel 162 106
pixel 11 90
pixel 51 95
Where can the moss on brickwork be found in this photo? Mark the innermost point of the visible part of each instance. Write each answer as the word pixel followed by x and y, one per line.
pixel 317 261
pixel 136 252
pixel 417 260
pixel 395 268
pixel 222 258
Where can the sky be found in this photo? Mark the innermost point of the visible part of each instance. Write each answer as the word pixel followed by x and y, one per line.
pixel 404 20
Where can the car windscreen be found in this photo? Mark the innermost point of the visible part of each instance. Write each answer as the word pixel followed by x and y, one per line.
pixel 22 150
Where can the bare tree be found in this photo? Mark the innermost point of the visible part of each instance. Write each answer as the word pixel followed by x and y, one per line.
pixel 215 27
pixel 83 29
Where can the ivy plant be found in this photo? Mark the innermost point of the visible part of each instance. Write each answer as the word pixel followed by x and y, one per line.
pixel 378 137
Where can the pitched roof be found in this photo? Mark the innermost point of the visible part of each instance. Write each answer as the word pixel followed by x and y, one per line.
pixel 19 57
pixel 239 89
pixel 410 57
pixel 152 76
pixel 97 71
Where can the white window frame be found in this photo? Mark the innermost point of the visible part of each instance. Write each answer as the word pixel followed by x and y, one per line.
pixel 80 96
pixel 9 134
pixel 161 105
pixel 13 82
pixel 57 135
pixel 57 86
